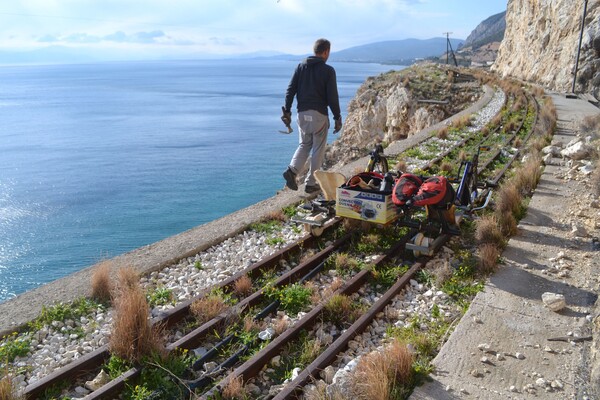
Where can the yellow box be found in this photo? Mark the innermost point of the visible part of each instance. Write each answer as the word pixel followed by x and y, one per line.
pixel 366 206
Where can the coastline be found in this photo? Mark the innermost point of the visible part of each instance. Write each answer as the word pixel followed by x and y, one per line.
pixel 18 311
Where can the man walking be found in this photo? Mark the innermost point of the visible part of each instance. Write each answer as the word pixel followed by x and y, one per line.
pixel 315 87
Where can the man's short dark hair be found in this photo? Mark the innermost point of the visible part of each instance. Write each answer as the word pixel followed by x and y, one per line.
pixel 321 45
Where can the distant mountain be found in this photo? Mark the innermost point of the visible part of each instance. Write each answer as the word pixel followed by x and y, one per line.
pixel 489 31
pixel 404 51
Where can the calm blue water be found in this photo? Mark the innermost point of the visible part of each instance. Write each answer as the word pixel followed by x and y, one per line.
pixel 99 159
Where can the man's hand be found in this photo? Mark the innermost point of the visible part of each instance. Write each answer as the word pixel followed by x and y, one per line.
pixel 286 117
pixel 338 125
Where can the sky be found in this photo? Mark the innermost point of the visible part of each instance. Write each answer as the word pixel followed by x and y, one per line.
pixel 229 27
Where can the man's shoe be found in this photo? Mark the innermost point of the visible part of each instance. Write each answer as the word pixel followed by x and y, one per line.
pixel 311 188
pixel 290 179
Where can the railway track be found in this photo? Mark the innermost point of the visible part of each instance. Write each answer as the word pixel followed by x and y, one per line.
pixel 89 364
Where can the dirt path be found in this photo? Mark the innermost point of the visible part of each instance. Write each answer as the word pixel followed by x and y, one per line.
pixel 501 347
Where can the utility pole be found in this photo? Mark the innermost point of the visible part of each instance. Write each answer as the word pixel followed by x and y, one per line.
pixel 579 46
pixel 447 44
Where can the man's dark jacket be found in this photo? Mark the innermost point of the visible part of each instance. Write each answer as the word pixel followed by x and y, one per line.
pixel 315 85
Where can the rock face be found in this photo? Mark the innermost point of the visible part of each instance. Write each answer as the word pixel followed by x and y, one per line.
pixel 488 31
pixel 541 40
pixel 398 104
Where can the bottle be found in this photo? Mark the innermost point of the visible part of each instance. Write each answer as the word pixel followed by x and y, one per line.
pixel 387 182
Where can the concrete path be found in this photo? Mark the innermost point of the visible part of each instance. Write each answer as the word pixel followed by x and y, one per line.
pixel 508 315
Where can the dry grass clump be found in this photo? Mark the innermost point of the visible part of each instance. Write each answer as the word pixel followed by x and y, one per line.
pixel 528 176
pixel 235 389
pixel 508 199
pixel 462 122
pixel 133 337
pixel 590 125
pixel 7 390
pixel 488 258
pixel 379 374
pixel 242 286
pixel 345 262
pixel 462 156
pixel 321 391
pixel 441 272
pixel 281 326
pixel 446 166
pixel 537 91
pixel 339 308
pixel 487 230
pixel 401 166
pixel 207 308
pixel 507 223
pixel 276 215
pixel 127 278
pixel 442 133
pixel 101 285
pixel 518 142
pixel 547 117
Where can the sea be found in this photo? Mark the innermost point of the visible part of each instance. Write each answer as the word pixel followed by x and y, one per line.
pixel 100 159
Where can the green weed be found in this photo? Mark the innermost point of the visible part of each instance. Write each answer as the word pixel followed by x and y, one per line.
pixel 267 226
pixel 274 241
pixel 293 298
pixel 116 366
pixel 14 346
pixel 160 296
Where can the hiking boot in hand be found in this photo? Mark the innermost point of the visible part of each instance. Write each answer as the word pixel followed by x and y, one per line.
pixel 290 179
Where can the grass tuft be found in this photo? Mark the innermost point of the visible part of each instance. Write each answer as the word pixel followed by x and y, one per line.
pixel 127 278
pixel 442 133
pixel 381 375
pixel 487 231
pixel 235 390
pixel 340 308
pixel 488 258
pixel 508 199
pixel 7 390
pixel 133 337
pixel 207 308
pixel 101 285
pixel 242 286
pixel 401 166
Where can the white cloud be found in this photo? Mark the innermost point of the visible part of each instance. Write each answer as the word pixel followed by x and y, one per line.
pixel 232 25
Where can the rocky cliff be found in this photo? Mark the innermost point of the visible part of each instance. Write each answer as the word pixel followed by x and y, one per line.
pixel 397 104
pixel 489 31
pixel 541 41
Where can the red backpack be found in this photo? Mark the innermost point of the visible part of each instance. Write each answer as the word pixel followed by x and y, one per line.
pixel 434 191
pixel 405 188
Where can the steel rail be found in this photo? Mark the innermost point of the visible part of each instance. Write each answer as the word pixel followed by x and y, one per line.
pixel 189 341
pixel 90 362
pixel 341 343
pixel 253 366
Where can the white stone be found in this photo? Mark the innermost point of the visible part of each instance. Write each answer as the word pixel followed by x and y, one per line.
pixel 541 382
pixel 576 151
pixel 327 374
pixel 100 380
pixel 81 391
pixel 554 301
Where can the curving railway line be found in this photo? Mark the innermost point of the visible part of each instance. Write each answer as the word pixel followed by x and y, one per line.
pixel 234 357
